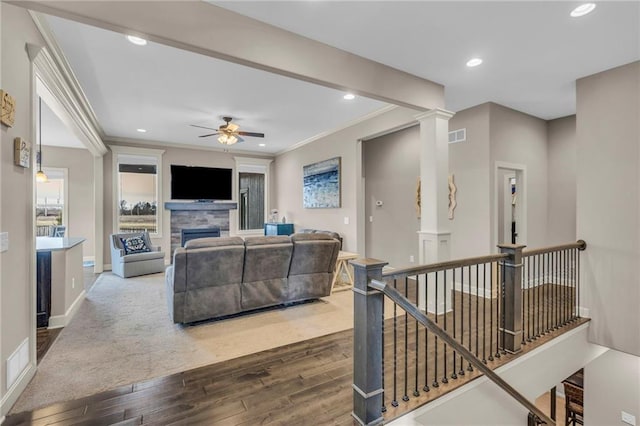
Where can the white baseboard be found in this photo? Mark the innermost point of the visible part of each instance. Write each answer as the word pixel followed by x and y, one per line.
pixel 58 321
pixel 14 392
pixel 106 267
pixel 470 289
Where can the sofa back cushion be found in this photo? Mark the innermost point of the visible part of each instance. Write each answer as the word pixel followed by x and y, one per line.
pixel 313 253
pixel 213 242
pixel 267 258
pixel 209 266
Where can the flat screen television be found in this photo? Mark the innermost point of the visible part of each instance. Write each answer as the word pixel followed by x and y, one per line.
pixel 200 183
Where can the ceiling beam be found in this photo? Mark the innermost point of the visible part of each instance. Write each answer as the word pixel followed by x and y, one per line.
pixel 217 32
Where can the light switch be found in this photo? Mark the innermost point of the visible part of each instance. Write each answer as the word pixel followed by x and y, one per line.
pixel 370 218
pixel 4 241
pixel 346 220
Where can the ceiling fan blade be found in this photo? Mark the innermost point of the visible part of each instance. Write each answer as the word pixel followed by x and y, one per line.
pixel 212 134
pixel 240 139
pixel 202 127
pixel 255 135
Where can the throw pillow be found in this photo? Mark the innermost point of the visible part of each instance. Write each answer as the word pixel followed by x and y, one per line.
pixel 134 245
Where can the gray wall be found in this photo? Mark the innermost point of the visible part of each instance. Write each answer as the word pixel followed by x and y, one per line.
pixel 391 171
pixel 612 385
pixel 469 163
pixel 608 187
pixel 16 193
pixel 343 143
pixel 79 163
pixel 561 220
pixel 519 138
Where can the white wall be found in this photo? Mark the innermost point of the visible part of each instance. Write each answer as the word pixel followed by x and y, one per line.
pixel 16 201
pixel 343 143
pixel 391 170
pixel 561 155
pixel 608 210
pixel 612 385
pixel 482 402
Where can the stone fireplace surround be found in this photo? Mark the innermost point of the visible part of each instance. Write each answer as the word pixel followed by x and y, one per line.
pixel 198 214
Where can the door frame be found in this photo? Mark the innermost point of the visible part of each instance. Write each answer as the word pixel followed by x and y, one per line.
pixel 521 210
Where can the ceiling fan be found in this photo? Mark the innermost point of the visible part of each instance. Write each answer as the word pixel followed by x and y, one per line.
pixel 229 133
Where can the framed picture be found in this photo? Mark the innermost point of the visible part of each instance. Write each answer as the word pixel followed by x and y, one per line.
pixel 21 152
pixel 8 107
pixel 321 184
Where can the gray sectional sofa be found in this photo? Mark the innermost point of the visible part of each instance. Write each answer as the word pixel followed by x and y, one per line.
pixel 214 277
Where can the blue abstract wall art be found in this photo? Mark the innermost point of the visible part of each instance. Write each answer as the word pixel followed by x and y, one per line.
pixel 321 184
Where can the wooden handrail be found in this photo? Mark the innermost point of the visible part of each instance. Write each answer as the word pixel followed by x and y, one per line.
pixel 419 316
pixel 580 245
pixel 442 266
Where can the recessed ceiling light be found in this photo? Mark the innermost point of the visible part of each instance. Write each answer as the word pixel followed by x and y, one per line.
pixel 137 40
pixel 583 9
pixel 262 144
pixel 474 62
pixel 349 96
pixel 141 130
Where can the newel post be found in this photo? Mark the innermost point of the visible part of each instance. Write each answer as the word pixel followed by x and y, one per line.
pixel 511 329
pixel 367 342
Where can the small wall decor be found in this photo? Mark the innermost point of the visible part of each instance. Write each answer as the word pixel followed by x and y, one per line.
pixel 321 184
pixel 452 197
pixel 7 117
pixel 21 152
pixel 418 202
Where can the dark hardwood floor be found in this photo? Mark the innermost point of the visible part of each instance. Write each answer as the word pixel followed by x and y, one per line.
pixel 306 383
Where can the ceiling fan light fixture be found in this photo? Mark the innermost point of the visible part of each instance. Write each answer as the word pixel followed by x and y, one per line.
pixel 225 139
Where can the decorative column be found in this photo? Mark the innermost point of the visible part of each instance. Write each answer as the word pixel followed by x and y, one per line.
pixel 434 235
pixel 367 342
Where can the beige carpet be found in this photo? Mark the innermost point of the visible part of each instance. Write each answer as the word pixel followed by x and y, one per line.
pixel 122 334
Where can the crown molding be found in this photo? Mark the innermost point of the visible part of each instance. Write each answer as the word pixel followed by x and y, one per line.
pixel 142 143
pixel 56 74
pixel 437 113
pixel 339 128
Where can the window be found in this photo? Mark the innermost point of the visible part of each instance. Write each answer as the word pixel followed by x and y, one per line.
pixel 252 189
pixel 137 178
pixel 51 203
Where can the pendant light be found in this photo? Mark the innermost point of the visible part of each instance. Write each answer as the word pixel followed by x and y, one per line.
pixel 40 175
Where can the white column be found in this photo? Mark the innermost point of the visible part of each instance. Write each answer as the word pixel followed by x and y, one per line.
pixel 98 208
pixel 434 235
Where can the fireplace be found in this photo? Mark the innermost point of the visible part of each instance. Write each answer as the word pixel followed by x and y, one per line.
pixel 193 233
pixel 198 216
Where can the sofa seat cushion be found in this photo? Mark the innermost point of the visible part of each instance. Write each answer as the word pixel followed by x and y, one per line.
pixel 214 242
pixel 138 257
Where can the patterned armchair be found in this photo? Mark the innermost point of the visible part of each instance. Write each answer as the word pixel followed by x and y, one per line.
pixel 132 254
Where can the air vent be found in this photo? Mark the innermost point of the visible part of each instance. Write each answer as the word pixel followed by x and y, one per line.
pixel 456 136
